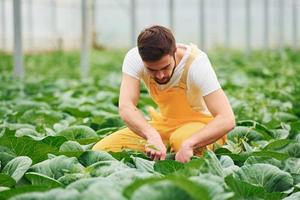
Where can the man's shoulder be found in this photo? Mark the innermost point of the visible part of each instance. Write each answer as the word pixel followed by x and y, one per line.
pixel 133 57
pixel 200 60
pixel 199 67
pixel 133 52
pixel 133 64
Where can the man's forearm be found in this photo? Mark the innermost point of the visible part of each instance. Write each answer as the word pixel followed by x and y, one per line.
pixel 210 133
pixel 136 122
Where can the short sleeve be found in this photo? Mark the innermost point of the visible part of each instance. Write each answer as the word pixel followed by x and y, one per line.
pixel 202 76
pixel 133 64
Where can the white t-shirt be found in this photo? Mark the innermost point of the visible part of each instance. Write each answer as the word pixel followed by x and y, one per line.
pixel 201 78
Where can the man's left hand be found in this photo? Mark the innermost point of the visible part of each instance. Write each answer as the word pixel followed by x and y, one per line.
pixel 185 153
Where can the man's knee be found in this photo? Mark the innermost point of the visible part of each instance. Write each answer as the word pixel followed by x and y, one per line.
pixel 105 144
pixel 120 140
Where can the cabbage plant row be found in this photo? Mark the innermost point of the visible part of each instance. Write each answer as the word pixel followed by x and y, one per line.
pixel 48 127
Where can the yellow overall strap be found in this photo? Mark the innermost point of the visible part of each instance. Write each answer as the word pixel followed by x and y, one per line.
pixel 193 54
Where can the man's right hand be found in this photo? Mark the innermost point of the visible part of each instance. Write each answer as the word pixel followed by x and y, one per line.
pixel 155 148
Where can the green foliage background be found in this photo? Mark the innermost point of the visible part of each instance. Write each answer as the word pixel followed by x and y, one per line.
pixel 50 121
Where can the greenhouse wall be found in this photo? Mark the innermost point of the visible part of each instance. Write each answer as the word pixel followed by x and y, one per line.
pixel 54 24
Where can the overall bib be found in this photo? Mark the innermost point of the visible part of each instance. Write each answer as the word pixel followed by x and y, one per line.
pixel 175 122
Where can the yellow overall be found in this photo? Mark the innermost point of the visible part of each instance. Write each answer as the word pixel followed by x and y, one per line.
pixel 175 122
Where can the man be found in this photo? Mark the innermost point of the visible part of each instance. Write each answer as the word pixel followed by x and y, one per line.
pixel 193 112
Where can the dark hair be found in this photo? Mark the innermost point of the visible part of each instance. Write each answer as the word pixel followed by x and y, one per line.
pixel 155 42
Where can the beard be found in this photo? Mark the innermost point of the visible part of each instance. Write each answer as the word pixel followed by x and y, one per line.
pixel 165 80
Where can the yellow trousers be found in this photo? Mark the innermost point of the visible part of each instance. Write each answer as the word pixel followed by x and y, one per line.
pixel 171 135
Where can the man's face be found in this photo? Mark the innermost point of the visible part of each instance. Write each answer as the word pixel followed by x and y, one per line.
pixel 162 70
